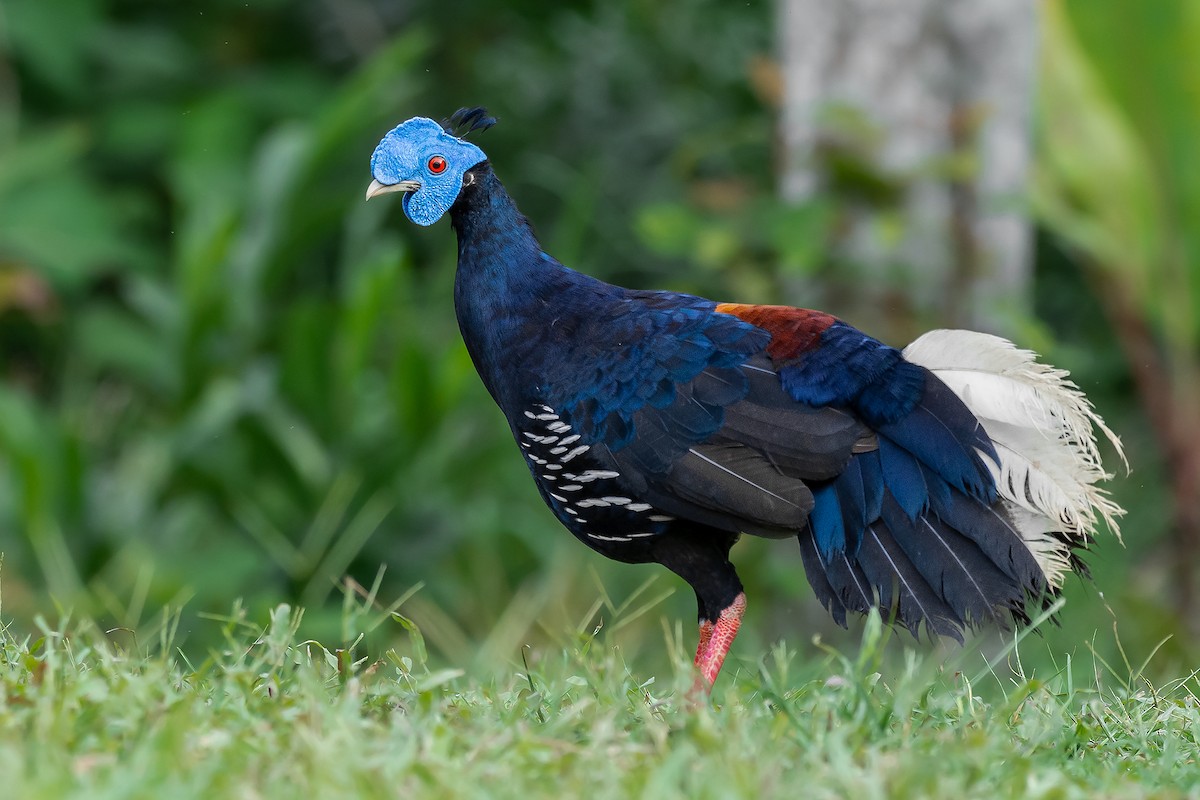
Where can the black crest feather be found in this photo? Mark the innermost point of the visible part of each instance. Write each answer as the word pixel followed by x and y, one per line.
pixel 468 120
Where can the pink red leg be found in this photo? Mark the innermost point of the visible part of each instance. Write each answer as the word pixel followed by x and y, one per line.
pixel 711 654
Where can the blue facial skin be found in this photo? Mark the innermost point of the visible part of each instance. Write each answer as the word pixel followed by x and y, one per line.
pixel 404 154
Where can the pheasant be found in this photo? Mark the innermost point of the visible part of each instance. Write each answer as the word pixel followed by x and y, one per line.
pixel 947 485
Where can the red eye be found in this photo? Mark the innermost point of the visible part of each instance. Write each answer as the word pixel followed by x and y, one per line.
pixel 437 165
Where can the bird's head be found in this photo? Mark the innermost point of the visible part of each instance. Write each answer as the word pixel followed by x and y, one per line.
pixel 427 162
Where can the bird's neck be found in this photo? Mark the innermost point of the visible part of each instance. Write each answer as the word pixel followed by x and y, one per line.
pixel 507 292
pixel 493 236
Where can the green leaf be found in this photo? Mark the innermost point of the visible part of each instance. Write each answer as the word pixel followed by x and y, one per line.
pixel 419 652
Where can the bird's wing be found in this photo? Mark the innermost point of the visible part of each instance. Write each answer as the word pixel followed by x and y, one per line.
pixel 733 450
pixel 691 408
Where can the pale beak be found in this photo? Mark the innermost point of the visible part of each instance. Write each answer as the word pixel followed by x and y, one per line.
pixel 377 188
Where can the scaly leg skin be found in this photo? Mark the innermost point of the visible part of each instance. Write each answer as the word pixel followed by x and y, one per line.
pixel 706 631
pixel 711 653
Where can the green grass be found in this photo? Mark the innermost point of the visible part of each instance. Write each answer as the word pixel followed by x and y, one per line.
pixel 87 713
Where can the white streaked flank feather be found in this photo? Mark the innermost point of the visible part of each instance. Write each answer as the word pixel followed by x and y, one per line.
pixel 1044 431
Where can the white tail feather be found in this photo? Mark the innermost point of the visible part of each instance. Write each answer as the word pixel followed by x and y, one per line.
pixel 1044 431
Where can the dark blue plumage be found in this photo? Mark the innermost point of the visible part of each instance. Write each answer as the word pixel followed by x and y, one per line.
pixel 660 426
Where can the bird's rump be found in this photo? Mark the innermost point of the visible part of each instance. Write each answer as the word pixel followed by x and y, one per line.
pixel 926 515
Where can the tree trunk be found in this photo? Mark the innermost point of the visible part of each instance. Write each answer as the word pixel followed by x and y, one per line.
pixel 1170 393
pixel 938 95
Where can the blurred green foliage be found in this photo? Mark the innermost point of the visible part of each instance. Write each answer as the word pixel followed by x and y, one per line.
pixel 223 375
pixel 1118 184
